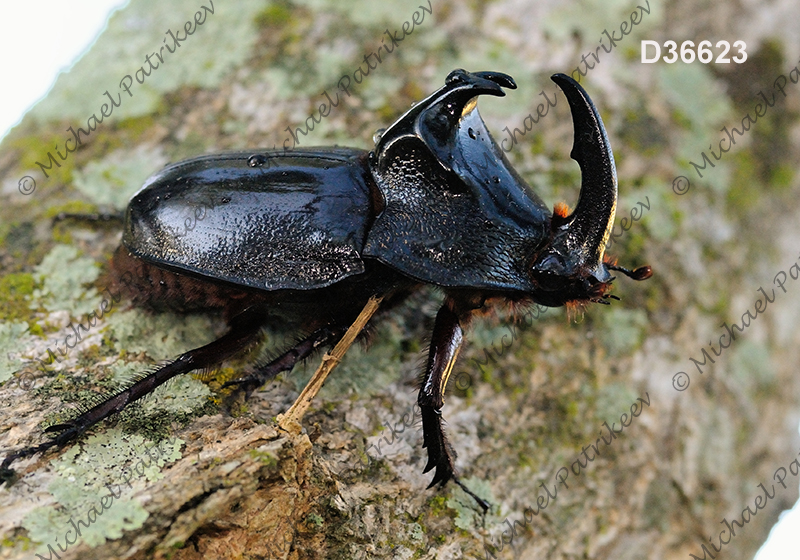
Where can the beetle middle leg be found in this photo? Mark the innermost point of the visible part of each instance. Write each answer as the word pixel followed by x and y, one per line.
pixel 445 345
pixel 286 361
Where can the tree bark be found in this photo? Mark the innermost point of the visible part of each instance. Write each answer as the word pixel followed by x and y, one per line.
pixel 529 401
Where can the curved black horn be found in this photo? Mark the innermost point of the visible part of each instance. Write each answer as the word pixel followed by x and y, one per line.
pixel 436 117
pixel 591 222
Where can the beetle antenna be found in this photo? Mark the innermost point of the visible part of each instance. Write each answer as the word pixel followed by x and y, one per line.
pixel 641 273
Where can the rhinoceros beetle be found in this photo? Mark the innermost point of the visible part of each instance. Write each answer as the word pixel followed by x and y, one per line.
pixel 311 235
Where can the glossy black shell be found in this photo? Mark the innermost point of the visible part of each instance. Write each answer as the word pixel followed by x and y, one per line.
pixel 295 221
pixel 436 200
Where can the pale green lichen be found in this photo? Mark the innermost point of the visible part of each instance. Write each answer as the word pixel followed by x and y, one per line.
pixel 570 18
pixel 624 330
pixel 366 13
pixel 123 372
pixel 415 532
pixel 615 399
pixel 663 220
pixel 10 334
pixel 161 335
pixel 717 446
pixel 379 90
pixel 139 30
pixel 751 365
pixel 468 516
pixel 702 112
pixel 702 115
pixel 94 470
pixel 64 275
pixel 114 179
pixel 181 396
pixel 492 337
pixel 314 520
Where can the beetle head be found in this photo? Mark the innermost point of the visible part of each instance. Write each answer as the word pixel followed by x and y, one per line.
pixel 570 266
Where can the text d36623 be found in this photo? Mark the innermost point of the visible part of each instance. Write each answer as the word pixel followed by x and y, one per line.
pixel 687 52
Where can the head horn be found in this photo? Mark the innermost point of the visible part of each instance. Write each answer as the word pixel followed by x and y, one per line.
pixel 589 226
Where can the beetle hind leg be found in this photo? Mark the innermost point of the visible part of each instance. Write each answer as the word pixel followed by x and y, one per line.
pixel 445 344
pixel 244 330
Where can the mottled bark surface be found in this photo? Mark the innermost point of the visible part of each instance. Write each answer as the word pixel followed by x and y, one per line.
pixel 525 400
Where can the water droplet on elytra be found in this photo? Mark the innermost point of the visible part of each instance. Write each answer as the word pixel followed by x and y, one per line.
pixel 256 161
pixel 471 133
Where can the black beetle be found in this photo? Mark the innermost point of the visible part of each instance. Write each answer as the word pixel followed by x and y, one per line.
pixel 313 234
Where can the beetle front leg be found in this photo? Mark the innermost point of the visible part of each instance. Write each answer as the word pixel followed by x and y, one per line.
pixel 445 345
